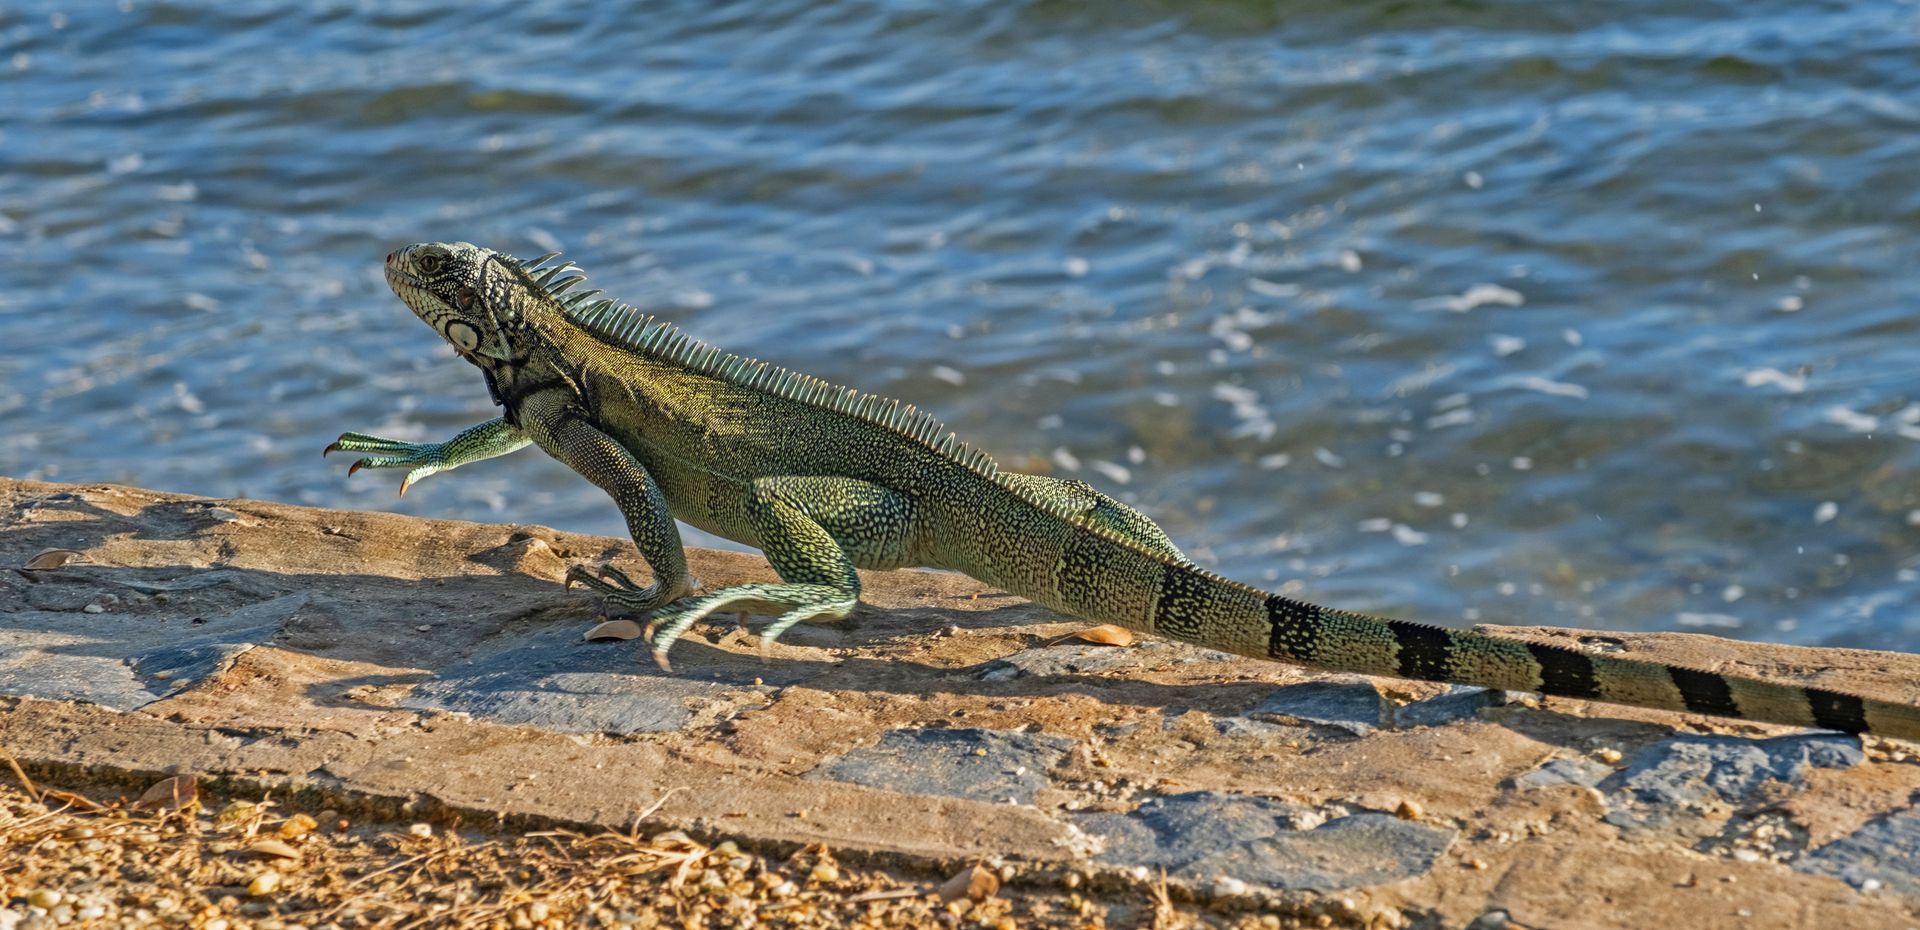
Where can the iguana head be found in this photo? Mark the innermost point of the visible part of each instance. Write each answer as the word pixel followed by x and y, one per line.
pixel 475 298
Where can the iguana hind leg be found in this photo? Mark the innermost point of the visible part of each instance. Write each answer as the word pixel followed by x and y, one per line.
pixel 813 530
pixel 481 441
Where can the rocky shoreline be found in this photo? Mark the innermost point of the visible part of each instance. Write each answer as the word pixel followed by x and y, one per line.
pixel 437 668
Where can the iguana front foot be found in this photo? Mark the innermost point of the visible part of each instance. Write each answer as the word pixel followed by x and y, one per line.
pixel 625 593
pixel 792 602
pixel 424 458
pixel 483 441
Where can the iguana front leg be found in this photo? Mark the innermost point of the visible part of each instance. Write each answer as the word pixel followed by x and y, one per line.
pixel 806 526
pixel 481 441
pixel 606 463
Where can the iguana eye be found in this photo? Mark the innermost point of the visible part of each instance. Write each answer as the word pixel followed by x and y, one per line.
pixel 428 263
pixel 464 336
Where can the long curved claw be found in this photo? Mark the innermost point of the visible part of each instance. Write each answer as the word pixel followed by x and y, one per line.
pixel 672 622
pixel 584 576
pixel 618 577
pixel 423 458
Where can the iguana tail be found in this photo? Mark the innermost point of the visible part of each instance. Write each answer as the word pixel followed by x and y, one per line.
pixel 1372 645
pixel 1109 579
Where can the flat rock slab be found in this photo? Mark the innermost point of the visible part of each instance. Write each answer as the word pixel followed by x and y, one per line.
pixel 436 668
pixel 1207 837
pixel 1082 659
pixel 100 658
pixel 552 680
pixel 984 765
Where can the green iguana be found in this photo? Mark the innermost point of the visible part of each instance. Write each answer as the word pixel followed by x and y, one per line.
pixel 825 479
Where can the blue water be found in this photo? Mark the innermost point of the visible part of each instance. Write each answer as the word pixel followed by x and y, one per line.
pixel 1593 314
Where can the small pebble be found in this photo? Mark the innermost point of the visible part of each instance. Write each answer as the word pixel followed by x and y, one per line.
pixel 44 898
pixel 421 830
pixel 824 872
pixel 298 825
pixel 264 883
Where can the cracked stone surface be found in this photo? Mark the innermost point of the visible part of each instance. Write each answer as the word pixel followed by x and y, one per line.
pixel 437 668
pixel 1353 705
pixel 1883 854
pixel 1694 776
pixel 1457 703
pixel 1583 772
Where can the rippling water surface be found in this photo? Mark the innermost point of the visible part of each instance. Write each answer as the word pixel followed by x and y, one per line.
pixel 1596 314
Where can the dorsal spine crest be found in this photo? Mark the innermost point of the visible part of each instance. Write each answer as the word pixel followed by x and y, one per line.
pixel 627 328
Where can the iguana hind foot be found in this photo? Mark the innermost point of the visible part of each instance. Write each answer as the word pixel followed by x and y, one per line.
pixel 800 522
pixel 792 602
pixel 623 592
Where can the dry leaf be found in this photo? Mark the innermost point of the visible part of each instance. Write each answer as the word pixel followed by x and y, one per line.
pixel 274 849
pixel 1106 635
pixel 977 883
pixel 52 558
pixel 614 629
pixel 172 794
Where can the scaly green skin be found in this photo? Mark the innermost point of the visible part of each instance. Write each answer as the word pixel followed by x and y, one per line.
pixel 824 479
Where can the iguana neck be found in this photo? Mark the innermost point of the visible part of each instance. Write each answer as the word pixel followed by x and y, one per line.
pixel 533 370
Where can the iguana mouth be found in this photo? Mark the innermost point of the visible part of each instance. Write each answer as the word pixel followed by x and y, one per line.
pixel 395 276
